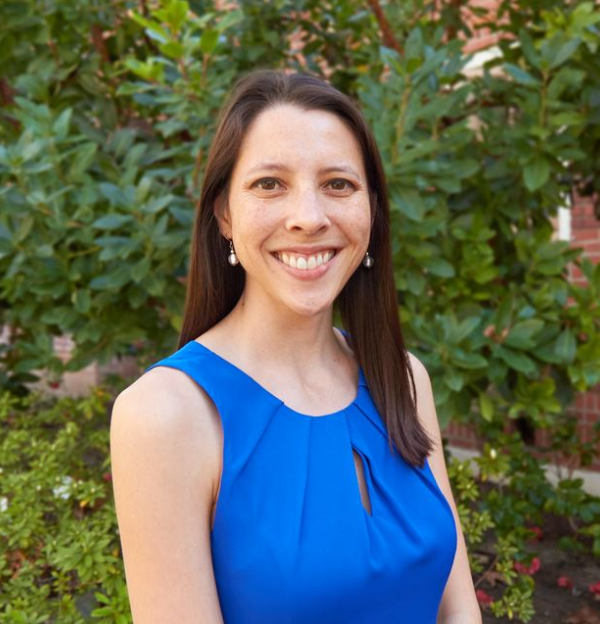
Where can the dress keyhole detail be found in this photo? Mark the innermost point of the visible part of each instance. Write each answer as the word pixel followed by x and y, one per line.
pixel 362 485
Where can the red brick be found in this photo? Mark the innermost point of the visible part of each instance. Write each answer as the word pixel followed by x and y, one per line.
pixel 583 206
pixel 593 247
pixel 586 234
pixel 584 221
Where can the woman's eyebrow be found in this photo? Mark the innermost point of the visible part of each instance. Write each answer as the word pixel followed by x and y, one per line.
pixel 275 166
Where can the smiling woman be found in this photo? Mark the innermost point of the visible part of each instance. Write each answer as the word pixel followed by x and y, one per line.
pixel 302 208
pixel 274 468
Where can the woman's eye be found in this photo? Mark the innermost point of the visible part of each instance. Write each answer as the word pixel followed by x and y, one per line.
pixel 340 184
pixel 271 184
pixel 266 184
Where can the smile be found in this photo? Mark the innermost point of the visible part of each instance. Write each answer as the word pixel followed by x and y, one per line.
pixel 303 262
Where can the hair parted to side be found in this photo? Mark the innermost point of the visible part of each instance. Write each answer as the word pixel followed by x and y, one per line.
pixel 367 303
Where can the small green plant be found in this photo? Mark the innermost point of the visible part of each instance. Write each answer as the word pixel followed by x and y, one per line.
pixel 59 547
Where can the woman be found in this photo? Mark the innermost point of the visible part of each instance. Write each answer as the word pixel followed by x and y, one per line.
pixel 274 469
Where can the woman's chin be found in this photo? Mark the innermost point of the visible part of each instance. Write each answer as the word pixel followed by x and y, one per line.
pixel 308 307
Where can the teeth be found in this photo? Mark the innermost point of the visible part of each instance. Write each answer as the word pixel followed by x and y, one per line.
pixel 312 262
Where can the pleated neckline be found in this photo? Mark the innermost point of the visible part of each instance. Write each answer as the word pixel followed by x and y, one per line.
pixel 339 413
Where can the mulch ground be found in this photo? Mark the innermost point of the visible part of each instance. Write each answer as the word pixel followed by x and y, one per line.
pixel 555 604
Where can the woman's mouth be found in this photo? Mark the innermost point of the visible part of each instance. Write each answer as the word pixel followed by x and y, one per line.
pixel 304 262
pixel 304 265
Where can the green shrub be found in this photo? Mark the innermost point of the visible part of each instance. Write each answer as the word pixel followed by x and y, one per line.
pixel 107 113
pixel 60 557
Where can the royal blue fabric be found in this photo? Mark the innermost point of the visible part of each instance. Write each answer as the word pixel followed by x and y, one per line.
pixel 292 542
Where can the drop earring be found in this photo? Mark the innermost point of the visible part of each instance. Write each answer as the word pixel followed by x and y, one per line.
pixel 233 259
pixel 368 261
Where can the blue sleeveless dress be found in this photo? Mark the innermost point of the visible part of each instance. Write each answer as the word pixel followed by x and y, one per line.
pixel 292 542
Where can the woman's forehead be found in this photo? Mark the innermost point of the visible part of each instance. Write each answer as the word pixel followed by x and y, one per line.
pixel 290 136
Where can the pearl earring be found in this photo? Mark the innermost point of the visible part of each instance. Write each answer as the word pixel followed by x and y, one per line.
pixel 368 261
pixel 233 259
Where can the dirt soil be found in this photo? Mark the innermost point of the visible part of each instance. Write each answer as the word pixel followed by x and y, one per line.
pixel 555 604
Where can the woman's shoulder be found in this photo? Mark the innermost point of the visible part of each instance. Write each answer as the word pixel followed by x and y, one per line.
pixel 165 464
pixel 417 366
pixel 165 404
pixel 164 389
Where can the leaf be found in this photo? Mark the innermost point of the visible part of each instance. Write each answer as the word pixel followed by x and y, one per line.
pixel 413 48
pixel 439 266
pixel 61 125
pixel 522 334
pixel 568 118
pixel 157 204
pixel 113 280
pixel 564 52
pixel 81 300
pixel 486 407
pixel 109 241
pixel 464 329
pixel 493 576
pixel 173 49
pixel 536 173
pixel 150 71
pixel 83 159
pixel 177 12
pixel 140 270
pixel 528 48
pixel 111 221
pixel 517 361
pixel 231 18
pixel 209 40
pixel 521 76
pixel 153 29
pixel 31 150
pixel 464 168
pixel 410 203
pixel 472 361
pixel 454 380
pixel 392 59
pixel 566 346
pixel 115 195
pixel 448 185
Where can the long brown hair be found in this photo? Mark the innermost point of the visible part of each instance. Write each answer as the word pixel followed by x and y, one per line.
pixel 368 302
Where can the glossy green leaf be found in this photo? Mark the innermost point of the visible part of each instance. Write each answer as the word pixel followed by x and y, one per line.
pixel 486 406
pixel 521 76
pixel 566 346
pixel 209 40
pixel 536 173
pixel 112 221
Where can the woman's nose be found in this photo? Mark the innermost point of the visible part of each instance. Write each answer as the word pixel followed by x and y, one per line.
pixel 307 211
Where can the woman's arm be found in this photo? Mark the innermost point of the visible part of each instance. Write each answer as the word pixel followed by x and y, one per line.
pixel 459 604
pixel 165 445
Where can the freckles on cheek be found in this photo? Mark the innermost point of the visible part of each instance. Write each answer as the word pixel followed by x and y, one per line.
pixel 261 216
pixel 360 221
pixel 257 224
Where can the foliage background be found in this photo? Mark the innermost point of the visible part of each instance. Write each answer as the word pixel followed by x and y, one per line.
pixel 108 109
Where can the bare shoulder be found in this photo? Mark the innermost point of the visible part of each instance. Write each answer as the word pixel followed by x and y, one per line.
pixel 417 366
pixel 169 400
pixel 425 399
pixel 422 379
pixel 166 407
pixel 165 442
pixel 459 593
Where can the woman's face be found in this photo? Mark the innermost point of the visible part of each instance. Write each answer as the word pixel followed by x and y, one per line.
pixel 298 192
